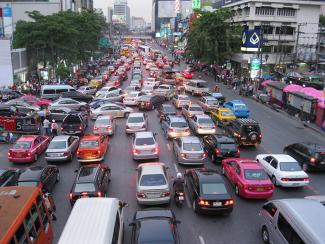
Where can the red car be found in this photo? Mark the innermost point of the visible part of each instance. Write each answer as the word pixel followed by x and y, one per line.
pixel 248 177
pixel 27 148
pixel 33 100
pixel 92 148
pixel 187 74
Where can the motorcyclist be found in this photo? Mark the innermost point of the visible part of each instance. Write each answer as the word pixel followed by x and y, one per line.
pixel 178 183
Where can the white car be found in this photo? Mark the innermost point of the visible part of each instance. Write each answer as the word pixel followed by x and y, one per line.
pixel 147 90
pixel 104 125
pixel 105 90
pixel 112 109
pixel 151 82
pixel 202 124
pixel 152 186
pixel 87 90
pixel 181 100
pixel 130 89
pixel 113 96
pixel 283 170
pixel 132 98
pixel 145 146
pixel 136 122
pixel 69 103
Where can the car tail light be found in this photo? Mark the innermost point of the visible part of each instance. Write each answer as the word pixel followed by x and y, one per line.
pixel 70 195
pixel 108 128
pixel 9 153
pixel 238 152
pixel 170 129
pixel 95 128
pixel 98 151
pixel 217 151
pixel 183 155
pixel 203 155
pixel 141 195
pixel 312 160
pixel 156 150
pixel 99 194
pixel 143 126
pixel 306 179
pixel 135 152
pixel 203 203
pixel 29 154
pixel 62 128
pixel 270 187
pixel 284 179
pixel 187 130
pixel 190 114
pixel 78 152
pixel 165 194
pixel 260 136
pixel 229 202
pixel 80 128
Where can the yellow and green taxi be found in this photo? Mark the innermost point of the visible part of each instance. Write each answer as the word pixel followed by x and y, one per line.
pixel 222 115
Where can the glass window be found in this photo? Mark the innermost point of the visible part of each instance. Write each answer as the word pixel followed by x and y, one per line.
pixel 88 144
pixel 84 187
pixel 27 183
pixel 290 166
pixel 255 174
pixel 116 229
pixel 52 91
pixel 144 141
pixel 22 145
pixel 274 163
pixel 192 146
pixel 195 109
pixel 287 231
pixel 270 208
pixel 135 120
pixel 205 121
pixel 153 180
pixel 61 90
pixel 228 146
pixel 57 145
pixel 213 188
pixel 179 124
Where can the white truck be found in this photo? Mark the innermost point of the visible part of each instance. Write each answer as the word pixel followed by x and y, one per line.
pixel 196 87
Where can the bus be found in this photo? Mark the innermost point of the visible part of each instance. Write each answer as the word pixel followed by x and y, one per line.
pixel 144 49
pixel 124 51
pixel 24 217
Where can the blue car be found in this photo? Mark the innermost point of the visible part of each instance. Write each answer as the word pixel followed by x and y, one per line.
pixel 238 107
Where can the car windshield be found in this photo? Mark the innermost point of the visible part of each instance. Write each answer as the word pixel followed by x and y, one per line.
pixel 144 141
pixel 184 98
pixel 169 110
pixel 195 109
pixel 240 106
pixel 227 114
pixel 84 187
pixel 133 95
pixel 22 145
pixel 179 124
pixel 192 147
pixel 27 183
pixel 135 119
pixel 148 88
pixel 212 102
pixel 290 166
pixel 228 146
pixel 153 180
pixel 88 144
pixel 57 145
pixel 205 121
pixel 213 188
pixel 255 174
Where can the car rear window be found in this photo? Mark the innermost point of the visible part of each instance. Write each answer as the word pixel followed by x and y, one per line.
pixel 184 98
pixel 88 144
pixel 240 106
pixel 228 146
pixel 169 110
pixel 290 166
pixel 103 121
pixel 212 102
pixel 27 183
pixel 153 180
pixel 135 119
pixel 255 174
pixel 179 124
pixel 205 121
pixel 84 187
pixel 57 145
pixel 144 141
pixel 192 147
pixel 213 189
pixel 72 120
pixel 22 145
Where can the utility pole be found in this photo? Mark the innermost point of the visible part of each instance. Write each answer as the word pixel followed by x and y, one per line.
pixel 318 47
pixel 297 42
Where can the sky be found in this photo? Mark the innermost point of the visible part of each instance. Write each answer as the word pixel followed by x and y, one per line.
pixel 138 8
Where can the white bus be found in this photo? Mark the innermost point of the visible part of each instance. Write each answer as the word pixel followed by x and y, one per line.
pixel 94 220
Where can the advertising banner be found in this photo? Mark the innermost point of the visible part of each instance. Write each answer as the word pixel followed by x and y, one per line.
pixel 6 73
pixel 7 20
pixel 251 40
pixel 255 68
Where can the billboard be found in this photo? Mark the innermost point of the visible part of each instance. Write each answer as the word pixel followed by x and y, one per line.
pixel 119 19
pixel 255 68
pixel 6 73
pixel 251 40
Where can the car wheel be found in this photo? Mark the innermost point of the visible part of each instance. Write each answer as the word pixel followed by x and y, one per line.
pixel 265 235
pixel 57 178
pixel 305 167
pixel 222 170
pixel 194 207
pixel 274 180
pixel 237 190
pixel 35 157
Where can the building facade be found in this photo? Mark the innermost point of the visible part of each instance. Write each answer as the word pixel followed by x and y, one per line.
pixel 138 24
pixel 121 12
pixel 109 15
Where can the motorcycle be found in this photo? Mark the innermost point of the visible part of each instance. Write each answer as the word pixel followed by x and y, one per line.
pixel 179 198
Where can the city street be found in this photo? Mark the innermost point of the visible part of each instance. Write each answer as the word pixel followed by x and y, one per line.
pixel 241 226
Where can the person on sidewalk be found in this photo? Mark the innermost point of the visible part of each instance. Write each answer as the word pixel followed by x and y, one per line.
pixel 54 128
pixel 46 126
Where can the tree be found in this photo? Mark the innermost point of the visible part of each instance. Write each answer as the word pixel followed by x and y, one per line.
pixel 322 20
pixel 213 36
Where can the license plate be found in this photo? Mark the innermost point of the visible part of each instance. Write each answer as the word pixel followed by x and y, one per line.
pixel 323 162
pixel 55 154
pixel 181 198
pixel 19 154
pixel 295 184
pixel 259 189
pixel 217 204
pixel 71 131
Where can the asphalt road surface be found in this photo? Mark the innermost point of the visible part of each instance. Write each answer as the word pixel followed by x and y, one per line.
pixel 241 226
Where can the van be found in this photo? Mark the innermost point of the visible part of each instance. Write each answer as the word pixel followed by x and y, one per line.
pixel 53 91
pixel 94 220
pixel 296 221
pixel 196 87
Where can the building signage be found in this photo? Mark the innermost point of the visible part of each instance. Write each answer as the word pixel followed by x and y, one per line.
pixel 251 40
pixel 6 11
pixel 255 68
pixel 196 4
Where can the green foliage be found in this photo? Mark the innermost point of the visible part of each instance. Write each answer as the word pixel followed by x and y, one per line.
pixel 213 36
pixel 62 71
pixel 65 36
pixel 322 20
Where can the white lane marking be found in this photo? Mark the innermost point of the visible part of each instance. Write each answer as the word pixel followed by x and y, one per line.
pixel 201 240
pixel 313 189
pixel 168 146
pixel 176 169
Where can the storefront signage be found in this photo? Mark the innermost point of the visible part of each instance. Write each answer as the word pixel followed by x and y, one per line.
pixel 255 68
pixel 251 40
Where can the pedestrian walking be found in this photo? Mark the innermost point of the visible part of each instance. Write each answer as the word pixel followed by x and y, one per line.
pixel 49 203
pixel 46 126
pixel 54 128
pixel 42 115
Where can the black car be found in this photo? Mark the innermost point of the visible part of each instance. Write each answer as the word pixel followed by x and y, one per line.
pixel 8 94
pixel 154 226
pixel 164 110
pixel 43 177
pixel 219 147
pixel 9 176
pixel 310 156
pixel 74 124
pixel 75 95
pixel 150 102
pixel 91 181
pixel 208 191
pixel 246 132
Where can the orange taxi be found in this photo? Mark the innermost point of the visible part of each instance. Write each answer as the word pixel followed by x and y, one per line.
pixel 92 148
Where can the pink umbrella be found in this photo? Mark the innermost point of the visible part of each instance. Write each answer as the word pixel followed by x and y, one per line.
pixel 264 83
pixel 310 91
pixel 292 87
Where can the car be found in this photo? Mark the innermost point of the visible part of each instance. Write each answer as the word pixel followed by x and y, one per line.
pixel 136 76
pixel 151 82
pixel 113 109
pixel 20 103
pixel 283 170
pixel 152 185
pixel 246 132
pixel 165 110
pixel 222 115
pixel 136 83
pixel 70 103
pixel 8 94
pixel 154 72
pixel 207 191
pixel 248 177
pixel 145 146
pixel 208 103
pixel 311 156
pixel 202 124
pixel 190 110
pixel 196 87
pixel 175 126
pixel 155 226
pixel 318 198
pixel 115 81
pixel 130 89
pixel 112 96
pixel 92 148
pixel 187 74
pixel 74 124
pixel 28 148
pixel 136 122
pixel 91 181
pixel 181 100
pixel 33 100
pixel 87 90
pixel 150 102
pixel 220 146
pixel 105 90
pixel 9 176
pixel 97 103
pixel 238 107
pixel 58 114
pixel 62 148
pixel 104 125
pixel 168 91
pixel 43 177
pixel 147 90
pixel 188 150
pixel 217 95
pixel 132 99
pixel 76 95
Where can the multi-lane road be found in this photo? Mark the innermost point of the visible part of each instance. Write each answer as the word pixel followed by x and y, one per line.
pixel 242 226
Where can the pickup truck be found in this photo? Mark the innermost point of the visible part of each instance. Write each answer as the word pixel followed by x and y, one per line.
pixel 168 91
pixel 196 87
pixel 74 124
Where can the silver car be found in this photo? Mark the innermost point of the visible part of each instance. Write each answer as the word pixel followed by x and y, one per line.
pixel 112 96
pixel 152 186
pixel 175 126
pixel 202 124
pixel 189 150
pixel 190 110
pixel 181 100
pixel 24 104
pixel 112 109
pixel 105 89
pixel 69 103
pixel 145 146
pixel 208 103
pixel 58 114
pixel 87 90
pixel 104 125
pixel 62 148
pixel 136 122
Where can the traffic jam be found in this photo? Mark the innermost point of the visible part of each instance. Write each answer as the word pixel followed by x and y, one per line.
pixel 146 105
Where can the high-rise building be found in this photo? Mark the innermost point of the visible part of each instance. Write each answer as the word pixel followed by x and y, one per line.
pixel 138 24
pixel 109 15
pixel 121 12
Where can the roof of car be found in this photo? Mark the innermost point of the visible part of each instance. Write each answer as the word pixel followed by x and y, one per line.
pixel 248 163
pixel 174 118
pixel 143 134
pixel 208 175
pixel 282 157
pixel 200 116
pixel 31 173
pixel 61 138
pixel 194 105
pixel 209 98
pixel 136 115
pixel 237 102
pixel 152 213
pixel 90 137
pixel 224 138
pixel 247 121
pixel 152 168
pixel 190 139
pixel 27 137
